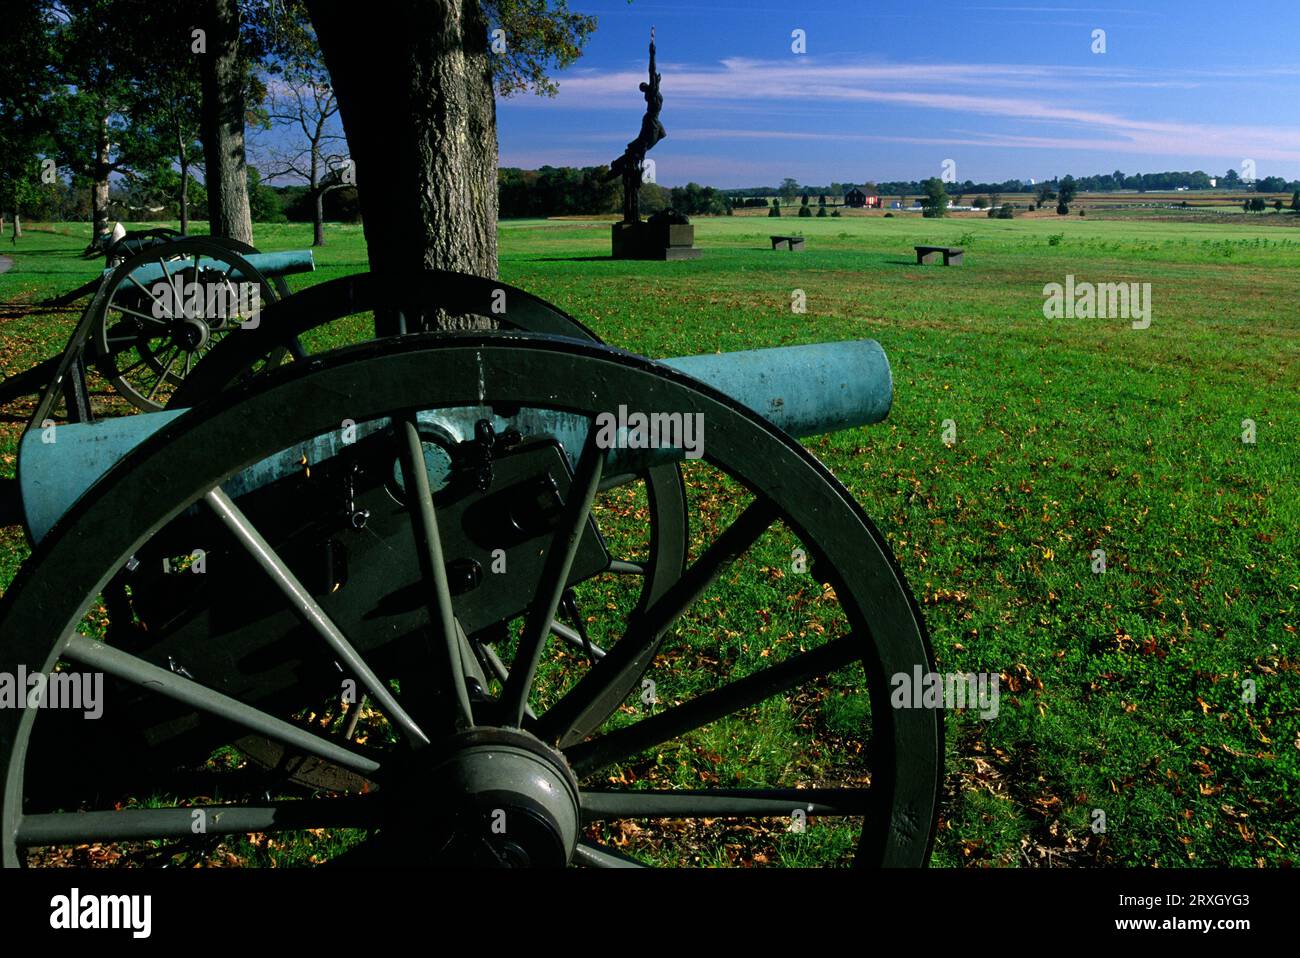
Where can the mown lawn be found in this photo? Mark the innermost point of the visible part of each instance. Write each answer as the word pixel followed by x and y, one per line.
pixel 1122 691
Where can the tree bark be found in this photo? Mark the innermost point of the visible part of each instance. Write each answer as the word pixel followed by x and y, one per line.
pixel 183 156
pixel 99 188
pixel 222 124
pixel 415 95
pixel 185 196
pixel 18 227
pixel 318 219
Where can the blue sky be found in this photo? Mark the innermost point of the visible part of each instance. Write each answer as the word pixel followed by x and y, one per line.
pixel 890 89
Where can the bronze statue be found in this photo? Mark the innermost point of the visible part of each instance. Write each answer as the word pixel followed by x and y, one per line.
pixel 628 166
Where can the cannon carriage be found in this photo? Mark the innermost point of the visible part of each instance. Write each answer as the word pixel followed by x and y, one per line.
pixel 545 617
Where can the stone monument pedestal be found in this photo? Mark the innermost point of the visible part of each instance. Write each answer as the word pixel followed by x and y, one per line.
pixel 653 241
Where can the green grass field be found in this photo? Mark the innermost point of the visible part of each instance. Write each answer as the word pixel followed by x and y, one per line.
pixel 1121 692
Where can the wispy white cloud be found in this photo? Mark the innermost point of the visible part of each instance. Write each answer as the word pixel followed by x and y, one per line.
pixel 966 90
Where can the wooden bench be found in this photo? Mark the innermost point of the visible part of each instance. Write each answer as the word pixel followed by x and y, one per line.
pixel 951 255
pixel 787 242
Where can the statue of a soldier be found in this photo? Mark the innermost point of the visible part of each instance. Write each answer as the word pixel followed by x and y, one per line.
pixel 628 166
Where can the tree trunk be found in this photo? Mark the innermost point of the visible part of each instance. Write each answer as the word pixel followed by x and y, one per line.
pixel 318 220
pixel 99 188
pixel 222 124
pixel 415 95
pixel 185 196
pixel 183 201
pixel 18 227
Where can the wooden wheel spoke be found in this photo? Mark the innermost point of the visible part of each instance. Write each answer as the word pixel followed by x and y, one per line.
pixel 145 317
pixel 587 757
pixel 150 294
pixel 586 706
pixel 310 611
pixel 136 824
pixel 433 568
pixel 592 855
pixel 540 619
pixel 135 670
pixel 724 803
pixel 162 376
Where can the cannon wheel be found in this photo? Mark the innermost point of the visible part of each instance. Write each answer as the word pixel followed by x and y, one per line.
pixel 548 776
pixel 142 344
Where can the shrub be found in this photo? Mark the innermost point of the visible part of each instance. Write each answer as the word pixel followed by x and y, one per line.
pixel 821 211
pixel 776 208
pixel 835 213
pixel 1062 209
pixel 889 216
pixel 1006 212
pixel 805 211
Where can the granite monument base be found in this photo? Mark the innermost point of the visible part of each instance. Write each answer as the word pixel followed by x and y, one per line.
pixel 653 241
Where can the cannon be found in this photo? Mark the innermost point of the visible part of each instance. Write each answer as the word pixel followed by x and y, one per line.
pixel 145 327
pixel 452 591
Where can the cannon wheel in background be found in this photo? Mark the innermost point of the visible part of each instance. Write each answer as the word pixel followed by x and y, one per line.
pixel 569 743
pixel 146 357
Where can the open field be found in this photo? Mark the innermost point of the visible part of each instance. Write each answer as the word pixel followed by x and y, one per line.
pixel 1122 691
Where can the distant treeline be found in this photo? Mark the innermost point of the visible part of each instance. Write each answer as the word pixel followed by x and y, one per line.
pixel 570 191
pixel 1099 183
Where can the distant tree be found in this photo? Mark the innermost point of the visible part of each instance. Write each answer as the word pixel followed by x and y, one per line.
pixel 1068 190
pixel 1045 193
pixel 1277 205
pixel 803 200
pixel 821 211
pixel 821 200
pixel 776 208
pixel 96 117
pixel 1006 212
pixel 312 147
pixel 789 186
pixel 1230 179
pixel 1295 202
pixel 1062 209
pixel 26 81
pixel 980 203
pixel 835 213
pixel 805 210
pixel 935 202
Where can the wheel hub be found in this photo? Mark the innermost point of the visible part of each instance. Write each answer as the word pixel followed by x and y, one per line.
pixel 190 333
pixel 495 798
